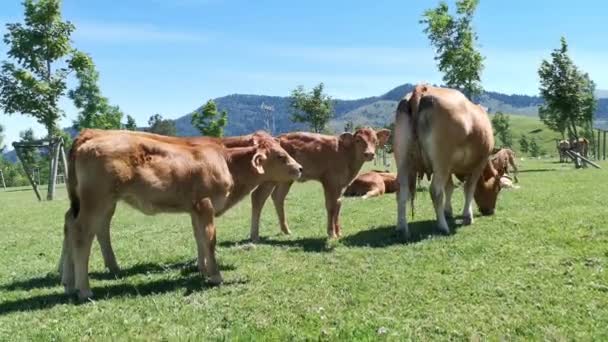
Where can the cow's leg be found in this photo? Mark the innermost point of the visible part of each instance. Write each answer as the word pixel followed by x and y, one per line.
pixel 66 268
pixel 332 204
pixel 438 185
pixel 469 191
pixel 372 193
pixel 258 198
pixel 204 233
pixel 278 198
pixel 515 170
pixel 94 213
pixel 403 195
pixel 105 244
pixel 449 189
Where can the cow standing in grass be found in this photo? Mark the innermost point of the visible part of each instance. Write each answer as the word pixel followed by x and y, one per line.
pixel 333 161
pixel 439 131
pixel 157 174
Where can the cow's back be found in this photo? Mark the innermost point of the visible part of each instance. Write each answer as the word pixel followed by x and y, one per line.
pixel 153 175
pixel 317 153
pixel 453 131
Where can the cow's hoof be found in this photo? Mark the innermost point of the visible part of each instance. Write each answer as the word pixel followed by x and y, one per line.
pixel 448 214
pixel 84 295
pixel 467 220
pixel 215 280
pixel 286 231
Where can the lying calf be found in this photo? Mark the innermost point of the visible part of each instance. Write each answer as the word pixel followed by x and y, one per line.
pixel 371 184
pixel 154 174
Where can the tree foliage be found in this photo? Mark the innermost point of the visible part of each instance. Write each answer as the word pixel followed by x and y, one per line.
pixel 209 121
pixel 95 110
pixel 502 129
pixel 524 144
pixel 161 126
pixel 314 107
pixel 534 149
pixel 568 93
pixel 454 41
pixel 43 57
pixel 131 125
pixel 1 138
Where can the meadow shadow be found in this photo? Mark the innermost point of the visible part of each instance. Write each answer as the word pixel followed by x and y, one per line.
pixel 385 236
pixel 190 284
pixel 313 245
pixel 536 170
pixel 52 279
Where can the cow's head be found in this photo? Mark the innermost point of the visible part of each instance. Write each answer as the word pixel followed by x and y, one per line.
pixel 364 141
pixel 272 161
pixel 489 185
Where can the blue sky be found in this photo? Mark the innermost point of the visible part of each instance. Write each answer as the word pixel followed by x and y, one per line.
pixel 169 56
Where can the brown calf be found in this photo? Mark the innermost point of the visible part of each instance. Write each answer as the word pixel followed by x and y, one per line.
pixel 371 184
pixel 439 131
pixel 154 174
pixel 104 237
pixel 333 161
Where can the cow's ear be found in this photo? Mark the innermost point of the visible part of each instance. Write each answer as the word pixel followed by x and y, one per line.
pixel 346 138
pixel 383 136
pixel 257 161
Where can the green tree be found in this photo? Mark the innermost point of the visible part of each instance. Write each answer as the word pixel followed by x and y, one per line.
pixel 524 145
pixel 131 125
pixel 161 126
pixel 314 107
pixel 1 138
pixel 502 129
pixel 454 41
pixel 568 93
pixel 209 121
pixel 534 148
pixel 30 156
pixel 44 58
pixel 95 110
pixel 41 58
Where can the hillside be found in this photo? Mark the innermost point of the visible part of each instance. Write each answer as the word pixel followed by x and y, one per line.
pixel 245 114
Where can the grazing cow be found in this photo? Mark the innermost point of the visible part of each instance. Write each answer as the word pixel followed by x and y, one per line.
pixel 580 145
pixel 157 174
pixel 562 147
pixel 502 159
pixel 371 184
pixel 333 161
pixel 439 131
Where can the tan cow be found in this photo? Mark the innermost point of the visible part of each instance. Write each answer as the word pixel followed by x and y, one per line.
pixel 563 146
pixel 157 174
pixel 104 238
pixel 371 184
pixel 502 159
pixel 333 161
pixel 439 131
pixel 580 145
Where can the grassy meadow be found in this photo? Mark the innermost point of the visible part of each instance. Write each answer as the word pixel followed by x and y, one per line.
pixel 535 270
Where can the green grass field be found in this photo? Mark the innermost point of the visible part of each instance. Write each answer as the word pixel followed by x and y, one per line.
pixel 536 270
pixel 532 127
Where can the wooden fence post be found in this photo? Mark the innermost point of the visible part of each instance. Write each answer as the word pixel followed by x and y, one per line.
pixel 27 172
